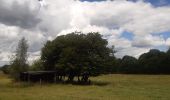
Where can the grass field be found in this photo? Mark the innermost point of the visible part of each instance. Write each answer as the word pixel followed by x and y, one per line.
pixel 106 87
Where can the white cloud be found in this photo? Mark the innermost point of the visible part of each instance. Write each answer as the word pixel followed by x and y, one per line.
pixel 9 37
pixel 132 51
pixel 58 17
pixel 148 41
pixel 168 42
pixel 120 43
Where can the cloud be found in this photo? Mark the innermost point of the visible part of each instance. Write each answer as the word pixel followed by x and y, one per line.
pixel 139 18
pixel 25 18
pixel 168 42
pixel 15 14
pixel 132 51
pixel 148 41
pixel 9 37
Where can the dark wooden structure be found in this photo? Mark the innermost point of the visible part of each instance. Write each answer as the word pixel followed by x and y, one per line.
pixel 52 76
pixel 38 76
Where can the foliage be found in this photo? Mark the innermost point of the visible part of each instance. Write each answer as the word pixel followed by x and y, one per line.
pixel 19 61
pixel 75 54
pixel 5 69
pixel 152 62
pixel 127 65
pixel 36 66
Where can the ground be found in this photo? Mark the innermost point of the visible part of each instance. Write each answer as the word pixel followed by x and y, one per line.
pixel 105 87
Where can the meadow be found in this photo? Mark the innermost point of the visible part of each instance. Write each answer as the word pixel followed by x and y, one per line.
pixel 105 87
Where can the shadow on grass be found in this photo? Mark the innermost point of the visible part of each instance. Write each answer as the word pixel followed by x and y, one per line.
pixel 89 83
pixel 100 83
pixel 31 84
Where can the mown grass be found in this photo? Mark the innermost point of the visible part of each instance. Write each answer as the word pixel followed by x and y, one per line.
pixel 105 87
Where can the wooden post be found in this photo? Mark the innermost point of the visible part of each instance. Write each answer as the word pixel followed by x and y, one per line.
pixel 55 77
pixel 40 81
pixel 28 78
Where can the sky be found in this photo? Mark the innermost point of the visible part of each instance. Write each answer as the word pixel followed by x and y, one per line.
pixel 132 26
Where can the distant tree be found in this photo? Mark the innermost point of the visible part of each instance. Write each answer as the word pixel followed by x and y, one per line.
pixel 75 54
pixel 37 66
pixel 5 69
pixel 19 60
pixel 166 62
pixel 128 64
pixel 168 52
pixel 152 62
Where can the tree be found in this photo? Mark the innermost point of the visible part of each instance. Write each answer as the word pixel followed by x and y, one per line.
pixel 5 69
pixel 128 64
pixel 76 54
pixel 153 62
pixel 168 52
pixel 36 66
pixel 19 61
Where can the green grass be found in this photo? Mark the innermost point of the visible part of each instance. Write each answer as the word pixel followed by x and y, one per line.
pixel 106 87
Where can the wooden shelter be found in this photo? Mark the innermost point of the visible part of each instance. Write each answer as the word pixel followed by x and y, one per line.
pixel 38 76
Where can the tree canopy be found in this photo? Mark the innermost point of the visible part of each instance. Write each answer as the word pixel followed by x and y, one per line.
pixel 82 55
pixel 76 53
pixel 19 60
pixel 152 62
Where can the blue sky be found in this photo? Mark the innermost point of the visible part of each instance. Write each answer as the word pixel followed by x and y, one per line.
pixel 154 2
pixel 127 35
pixel 130 36
pixel 166 35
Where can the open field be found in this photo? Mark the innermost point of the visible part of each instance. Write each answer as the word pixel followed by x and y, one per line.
pixel 106 87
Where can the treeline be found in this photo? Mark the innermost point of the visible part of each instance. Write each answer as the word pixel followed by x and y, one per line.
pixel 152 62
pixel 72 55
pixel 83 55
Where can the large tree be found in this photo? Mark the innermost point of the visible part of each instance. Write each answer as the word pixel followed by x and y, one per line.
pixel 76 54
pixel 19 60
